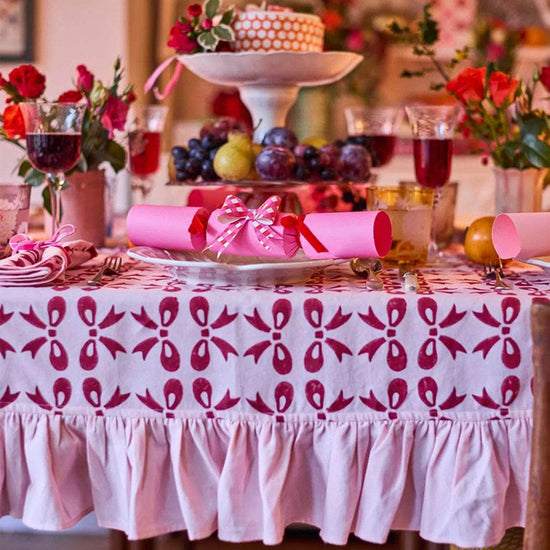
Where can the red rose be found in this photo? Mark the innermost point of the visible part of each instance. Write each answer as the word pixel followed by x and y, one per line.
pixel 180 41
pixel 332 20
pixel 544 78
pixel 85 80
pixel 207 24
pixel 130 98
pixel 72 96
pixel 13 122
pixel 194 10
pixel 29 83
pixel 3 81
pixel 502 88
pixel 469 85
pixel 114 115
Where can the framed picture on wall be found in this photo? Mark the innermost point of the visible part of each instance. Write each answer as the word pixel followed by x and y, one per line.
pixel 16 30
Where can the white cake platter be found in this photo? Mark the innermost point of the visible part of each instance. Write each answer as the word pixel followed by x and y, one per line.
pixel 269 82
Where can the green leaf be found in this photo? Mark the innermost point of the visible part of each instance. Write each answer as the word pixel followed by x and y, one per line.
pixel 24 167
pixel 537 151
pixel 437 87
pixel 227 17
pixel 211 8
pixel 224 32
pixel 47 200
pixel 410 74
pixel 208 40
pixel 428 27
pixel 116 155
pixel 532 125
pixel 34 177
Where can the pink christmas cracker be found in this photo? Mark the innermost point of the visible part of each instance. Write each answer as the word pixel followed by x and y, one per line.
pixel 238 230
pixel 339 235
pixel 171 227
pixel 522 236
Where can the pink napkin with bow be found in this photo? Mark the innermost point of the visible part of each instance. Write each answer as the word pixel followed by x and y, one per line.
pixel 38 263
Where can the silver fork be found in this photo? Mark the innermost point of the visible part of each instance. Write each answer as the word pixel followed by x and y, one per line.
pixel 111 266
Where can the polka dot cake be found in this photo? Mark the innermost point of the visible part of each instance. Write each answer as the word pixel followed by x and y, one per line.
pixel 278 31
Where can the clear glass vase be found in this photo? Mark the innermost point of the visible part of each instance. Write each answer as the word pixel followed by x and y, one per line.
pixel 518 190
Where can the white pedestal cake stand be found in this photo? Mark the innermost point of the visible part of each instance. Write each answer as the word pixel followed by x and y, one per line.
pixel 269 82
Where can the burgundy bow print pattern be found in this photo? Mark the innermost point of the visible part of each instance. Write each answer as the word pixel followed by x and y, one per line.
pixel 283 396
pixel 315 395
pixel 281 358
pixel 396 355
pixel 8 397
pixel 200 354
pixel 87 310
pixel 92 390
pixel 509 390
pixel 173 394
pixel 510 354
pixel 202 392
pixel 397 393
pixel 314 357
pixel 427 391
pixel 57 309
pixel 427 356
pixel 169 354
pixel 62 391
pixel 5 346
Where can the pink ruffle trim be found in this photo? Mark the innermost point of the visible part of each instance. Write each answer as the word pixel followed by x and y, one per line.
pixel 459 482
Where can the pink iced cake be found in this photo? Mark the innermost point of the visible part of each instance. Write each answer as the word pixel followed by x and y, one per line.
pixel 278 31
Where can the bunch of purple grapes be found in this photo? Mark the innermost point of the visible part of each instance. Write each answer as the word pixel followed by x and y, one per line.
pixel 283 158
pixel 197 159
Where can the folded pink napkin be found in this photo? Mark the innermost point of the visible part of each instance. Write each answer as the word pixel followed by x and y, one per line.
pixel 38 263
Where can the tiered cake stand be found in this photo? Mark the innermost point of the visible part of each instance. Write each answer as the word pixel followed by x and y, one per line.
pixel 268 84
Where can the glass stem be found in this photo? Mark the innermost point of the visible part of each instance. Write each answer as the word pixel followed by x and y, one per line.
pixel 434 249
pixel 55 185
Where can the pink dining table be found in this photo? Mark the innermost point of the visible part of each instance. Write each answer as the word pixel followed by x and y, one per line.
pixel 166 406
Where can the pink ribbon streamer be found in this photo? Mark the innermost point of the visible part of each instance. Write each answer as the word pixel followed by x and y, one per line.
pixel 237 215
pixel 171 84
pixel 22 241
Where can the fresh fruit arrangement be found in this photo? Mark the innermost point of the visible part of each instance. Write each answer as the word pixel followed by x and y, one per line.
pixel 224 151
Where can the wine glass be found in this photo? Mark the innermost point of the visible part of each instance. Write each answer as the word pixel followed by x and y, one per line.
pixel 53 135
pixel 433 127
pixel 145 125
pixel 374 128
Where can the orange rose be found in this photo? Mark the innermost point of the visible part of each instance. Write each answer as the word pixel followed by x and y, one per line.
pixel 13 125
pixel 469 85
pixel 502 88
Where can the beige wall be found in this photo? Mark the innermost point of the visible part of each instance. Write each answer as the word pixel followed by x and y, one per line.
pixel 67 33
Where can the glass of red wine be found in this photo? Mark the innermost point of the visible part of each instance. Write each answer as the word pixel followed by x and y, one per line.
pixel 375 129
pixel 145 126
pixel 53 136
pixel 433 128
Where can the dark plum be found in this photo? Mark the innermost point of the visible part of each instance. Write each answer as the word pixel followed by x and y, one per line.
pixel 280 137
pixel 310 152
pixel 355 163
pixel 275 163
pixel 301 172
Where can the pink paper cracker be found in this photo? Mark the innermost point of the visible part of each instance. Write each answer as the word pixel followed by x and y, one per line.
pixel 522 236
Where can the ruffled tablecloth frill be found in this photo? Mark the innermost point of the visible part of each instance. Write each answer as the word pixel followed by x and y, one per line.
pixel 460 481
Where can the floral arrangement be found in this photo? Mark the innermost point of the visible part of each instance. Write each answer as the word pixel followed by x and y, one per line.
pixel 204 29
pixel 498 110
pixel 106 111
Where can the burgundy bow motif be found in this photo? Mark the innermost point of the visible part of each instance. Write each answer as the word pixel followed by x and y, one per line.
pixel 236 215
pixel 5 346
pixel 91 388
pixel 511 353
pixel 509 390
pixel 282 358
pixel 202 392
pixel 396 356
pixel 315 395
pixel 57 308
pixel 8 397
pixel 62 391
pixel 169 354
pixel 283 396
pixel 313 312
pixel 173 394
pixel 427 391
pixel 397 393
pixel 87 310
pixel 200 354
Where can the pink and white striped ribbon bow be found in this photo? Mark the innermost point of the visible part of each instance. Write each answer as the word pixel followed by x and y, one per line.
pixel 236 214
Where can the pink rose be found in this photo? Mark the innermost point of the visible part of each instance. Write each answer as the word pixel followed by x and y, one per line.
pixel 180 41
pixel 114 115
pixel 85 79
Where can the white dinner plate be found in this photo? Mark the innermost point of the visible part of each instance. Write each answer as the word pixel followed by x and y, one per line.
pixel 540 261
pixel 203 267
